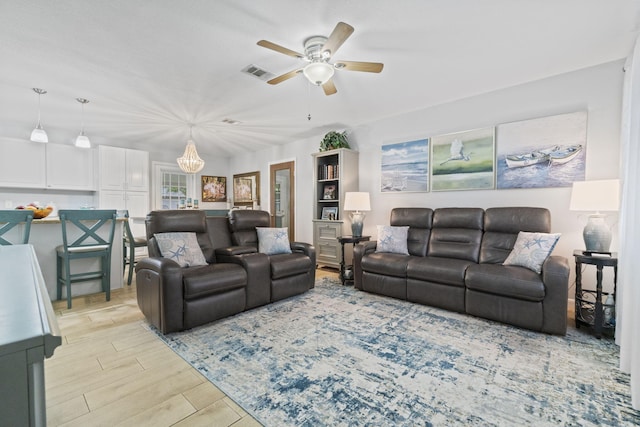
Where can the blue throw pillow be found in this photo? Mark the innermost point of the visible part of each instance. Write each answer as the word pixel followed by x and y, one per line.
pixel 272 241
pixel 532 249
pixel 392 239
pixel 181 247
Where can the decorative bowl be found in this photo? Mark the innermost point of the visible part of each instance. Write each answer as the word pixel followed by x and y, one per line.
pixel 38 213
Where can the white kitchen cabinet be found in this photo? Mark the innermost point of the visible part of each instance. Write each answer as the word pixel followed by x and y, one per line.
pixel 124 180
pixel 123 169
pixel 70 168
pixel 136 202
pixel 22 164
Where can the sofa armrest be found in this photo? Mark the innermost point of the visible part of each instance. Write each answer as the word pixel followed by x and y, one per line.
pixel 236 250
pixel 555 275
pixel 159 292
pixel 258 270
pixel 359 251
pixel 310 251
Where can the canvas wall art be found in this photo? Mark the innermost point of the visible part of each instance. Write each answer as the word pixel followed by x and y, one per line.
pixel 405 166
pixel 463 160
pixel 543 152
pixel 214 188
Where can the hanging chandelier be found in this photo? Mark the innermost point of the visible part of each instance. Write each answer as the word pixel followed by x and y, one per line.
pixel 190 162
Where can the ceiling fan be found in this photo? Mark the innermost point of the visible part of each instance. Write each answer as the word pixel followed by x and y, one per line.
pixel 318 50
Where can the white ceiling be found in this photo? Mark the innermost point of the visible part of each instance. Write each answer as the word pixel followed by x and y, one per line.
pixel 150 67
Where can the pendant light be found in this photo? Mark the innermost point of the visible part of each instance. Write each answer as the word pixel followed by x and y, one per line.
pixel 190 162
pixel 38 134
pixel 82 141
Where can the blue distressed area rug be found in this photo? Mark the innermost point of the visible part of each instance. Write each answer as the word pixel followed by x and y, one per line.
pixel 336 356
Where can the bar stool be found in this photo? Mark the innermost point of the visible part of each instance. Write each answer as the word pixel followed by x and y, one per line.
pixel 9 219
pixel 80 240
pixel 129 245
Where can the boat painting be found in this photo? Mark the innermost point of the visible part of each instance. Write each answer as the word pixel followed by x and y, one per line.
pixel 530 158
pixel 553 155
pixel 542 153
pixel 565 154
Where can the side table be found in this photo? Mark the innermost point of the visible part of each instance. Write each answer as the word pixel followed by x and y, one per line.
pixel 353 240
pixel 589 305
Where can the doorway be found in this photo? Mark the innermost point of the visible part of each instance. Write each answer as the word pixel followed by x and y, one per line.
pixel 282 189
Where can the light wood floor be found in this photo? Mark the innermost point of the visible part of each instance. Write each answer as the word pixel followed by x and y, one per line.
pixel 112 370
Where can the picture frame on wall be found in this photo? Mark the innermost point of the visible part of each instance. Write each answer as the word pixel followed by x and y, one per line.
pixel 214 188
pixel 330 213
pixel 463 160
pixel 404 166
pixel 543 152
pixel 246 189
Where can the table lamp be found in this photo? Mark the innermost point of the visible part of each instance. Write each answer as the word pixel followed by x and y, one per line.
pixel 602 195
pixel 357 202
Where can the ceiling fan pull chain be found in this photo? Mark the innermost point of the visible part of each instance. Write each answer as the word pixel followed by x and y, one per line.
pixel 309 100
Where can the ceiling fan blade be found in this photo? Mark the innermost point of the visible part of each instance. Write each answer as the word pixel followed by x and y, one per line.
pixel 368 67
pixel 329 87
pixel 278 48
pixel 283 77
pixel 340 33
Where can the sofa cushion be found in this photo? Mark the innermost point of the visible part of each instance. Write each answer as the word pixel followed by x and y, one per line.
pixel 273 241
pixel 212 279
pixel 510 281
pixel 456 233
pixel 284 265
pixel 386 263
pixel 181 247
pixel 448 271
pixel 532 249
pixel 392 239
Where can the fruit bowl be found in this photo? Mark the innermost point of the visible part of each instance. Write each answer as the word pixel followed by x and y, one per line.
pixel 38 212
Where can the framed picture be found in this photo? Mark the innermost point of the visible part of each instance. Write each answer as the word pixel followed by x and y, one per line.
pixel 329 192
pixel 543 152
pixel 330 213
pixel 214 188
pixel 463 160
pixel 404 167
pixel 246 189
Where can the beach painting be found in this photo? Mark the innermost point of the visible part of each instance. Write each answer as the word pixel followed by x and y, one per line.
pixel 405 167
pixel 463 160
pixel 543 152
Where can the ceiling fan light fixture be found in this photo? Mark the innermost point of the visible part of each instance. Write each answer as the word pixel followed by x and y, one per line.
pixel 38 134
pixel 190 162
pixel 318 73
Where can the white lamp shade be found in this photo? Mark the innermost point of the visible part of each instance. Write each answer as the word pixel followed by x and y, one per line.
pixel 357 201
pixel 190 162
pixel 82 141
pixel 39 135
pixel 595 196
pixel 318 73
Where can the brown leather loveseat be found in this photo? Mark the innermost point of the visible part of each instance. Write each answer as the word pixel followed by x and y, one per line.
pixel 234 278
pixel 455 261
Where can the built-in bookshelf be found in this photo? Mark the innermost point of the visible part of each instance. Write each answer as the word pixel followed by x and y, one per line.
pixel 335 173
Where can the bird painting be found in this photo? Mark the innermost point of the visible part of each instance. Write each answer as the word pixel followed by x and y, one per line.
pixel 457 152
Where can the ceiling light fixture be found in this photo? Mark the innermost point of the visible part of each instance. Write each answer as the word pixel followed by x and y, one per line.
pixel 318 72
pixel 38 134
pixel 190 162
pixel 82 141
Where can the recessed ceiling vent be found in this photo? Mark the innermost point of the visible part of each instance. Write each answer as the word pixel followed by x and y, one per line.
pixel 258 72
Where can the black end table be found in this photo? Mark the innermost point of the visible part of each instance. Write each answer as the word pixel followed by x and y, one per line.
pixel 589 305
pixel 353 240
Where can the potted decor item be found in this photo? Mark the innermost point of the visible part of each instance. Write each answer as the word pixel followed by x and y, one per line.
pixel 333 140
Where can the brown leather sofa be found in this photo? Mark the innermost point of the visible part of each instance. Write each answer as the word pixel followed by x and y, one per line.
pixel 455 262
pixel 236 278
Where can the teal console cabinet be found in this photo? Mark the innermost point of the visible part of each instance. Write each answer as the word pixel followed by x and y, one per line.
pixel 28 333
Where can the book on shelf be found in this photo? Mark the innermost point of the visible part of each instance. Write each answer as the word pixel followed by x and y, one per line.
pixel 330 171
